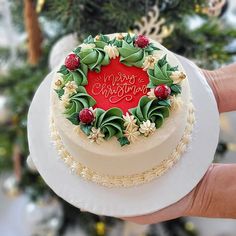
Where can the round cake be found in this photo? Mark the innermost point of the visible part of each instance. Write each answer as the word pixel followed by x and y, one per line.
pixel 121 111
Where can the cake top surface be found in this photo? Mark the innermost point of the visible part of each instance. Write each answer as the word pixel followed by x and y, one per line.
pixel 119 86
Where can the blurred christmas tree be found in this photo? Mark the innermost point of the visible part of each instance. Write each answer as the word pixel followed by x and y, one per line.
pixel 168 21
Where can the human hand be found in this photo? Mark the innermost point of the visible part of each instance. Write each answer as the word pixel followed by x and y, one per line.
pixel 212 197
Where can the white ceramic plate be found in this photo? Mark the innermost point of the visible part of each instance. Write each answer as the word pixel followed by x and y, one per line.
pixel 143 199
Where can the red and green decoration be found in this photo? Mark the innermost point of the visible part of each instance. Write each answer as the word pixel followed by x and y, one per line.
pixel 91 56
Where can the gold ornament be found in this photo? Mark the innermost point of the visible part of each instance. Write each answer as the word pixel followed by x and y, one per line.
pixel 153 26
pixel 100 228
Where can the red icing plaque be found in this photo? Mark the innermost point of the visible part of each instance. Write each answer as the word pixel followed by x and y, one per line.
pixel 117 85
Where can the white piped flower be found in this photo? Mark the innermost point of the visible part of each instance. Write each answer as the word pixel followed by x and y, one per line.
pixel 176 102
pixel 177 76
pixel 151 94
pixel 96 135
pixel 147 128
pixel 112 51
pixel 149 62
pixel 65 100
pixel 58 83
pixel 70 88
pixel 132 134
pixel 130 121
pixel 85 46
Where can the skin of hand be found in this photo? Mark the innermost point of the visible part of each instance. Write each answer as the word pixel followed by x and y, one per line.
pixel 214 194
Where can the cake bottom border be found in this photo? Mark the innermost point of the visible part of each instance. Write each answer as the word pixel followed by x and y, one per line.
pixel 127 180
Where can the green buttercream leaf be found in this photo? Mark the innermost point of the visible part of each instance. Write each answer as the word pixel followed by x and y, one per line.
pixel 130 55
pixel 100 44
pixel 160 75
pixel 94 58
pixel 63 70
pixel 104 38
pixel 117 43
pixel 74 119
pixel 148 109
pixel 123 141
pixel 59 92
pixel 77 50
pixel 129 39
pixel 175 89
pixel 89 39
pixel 110 122
pixel 165 103
pixel 86 128
pixel 170 68
pixel 79 101
pixel 162 61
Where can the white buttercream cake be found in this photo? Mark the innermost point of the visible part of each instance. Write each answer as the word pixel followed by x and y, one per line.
pixel 121 111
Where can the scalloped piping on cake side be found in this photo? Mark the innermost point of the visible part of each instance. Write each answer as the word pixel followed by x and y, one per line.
pixel 127 180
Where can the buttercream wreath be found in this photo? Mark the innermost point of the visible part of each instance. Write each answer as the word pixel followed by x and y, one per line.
pixel 163 88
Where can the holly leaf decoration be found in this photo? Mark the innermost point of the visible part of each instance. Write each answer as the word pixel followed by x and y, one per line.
pixel 162 61
pixel 86 128
pixel 77 50
pixel 128 38
pixel 175 89
pixel 63 70
pixel 104 38
pixel 123 141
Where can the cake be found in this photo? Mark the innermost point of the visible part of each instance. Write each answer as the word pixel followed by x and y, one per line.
pixel 121 111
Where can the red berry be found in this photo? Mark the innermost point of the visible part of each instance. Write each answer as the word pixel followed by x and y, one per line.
pixel 141 41
pixel 72 61
pixel 86 116
pixel 162 91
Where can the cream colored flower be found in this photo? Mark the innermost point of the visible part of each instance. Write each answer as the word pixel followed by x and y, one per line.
pixel 151 94
pixel 130 121
pixel 132 134
pixel 176 102
pixel 65 100
pixel 70 88
pixel 97 37
pixel 112 51
pixel 58 83
pixel 96 135
pixel 149 62
pixel 147 128
pixel 177 76
pixel 85 46
pixel 120 36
